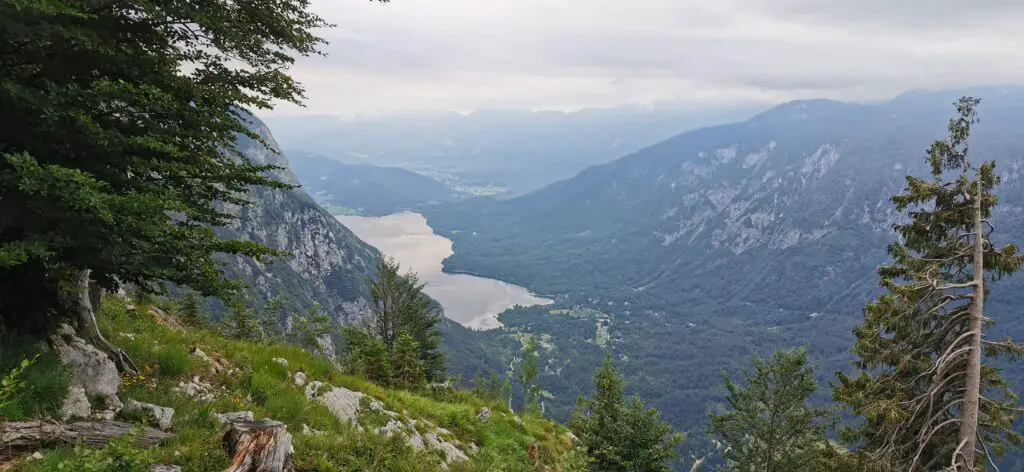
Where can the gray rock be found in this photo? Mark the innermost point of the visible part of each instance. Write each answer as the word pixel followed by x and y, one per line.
pixel 344 403
pixel 128 336
pixel 91 368
pixel 234 417
pixel 484 414
pixel 196 389
pixel 376 406
pixel 313 389
pixel 164 416
pixel 282 361
pixel 299 378
pixel 76 404
pixel 36 456
pixel 196 352
pixel 165 468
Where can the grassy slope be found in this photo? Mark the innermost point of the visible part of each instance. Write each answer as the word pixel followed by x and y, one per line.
pixel 265 387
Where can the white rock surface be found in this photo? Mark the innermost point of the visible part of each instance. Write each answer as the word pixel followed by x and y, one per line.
pixel 164 416
pixel 299 378
pixel 234 417
pixel 282 361
pixel 313 389
pixel 90 367
pixel 76 404
pixel 344 403
pixel 484 414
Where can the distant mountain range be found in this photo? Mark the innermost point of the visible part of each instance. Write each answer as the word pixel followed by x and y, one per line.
pixel 506 152
pixel 685 257
pixel 363 188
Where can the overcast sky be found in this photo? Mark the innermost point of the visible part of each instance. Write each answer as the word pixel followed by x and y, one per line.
pixel 418 55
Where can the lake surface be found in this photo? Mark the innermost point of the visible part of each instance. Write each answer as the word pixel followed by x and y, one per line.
pixel 472 301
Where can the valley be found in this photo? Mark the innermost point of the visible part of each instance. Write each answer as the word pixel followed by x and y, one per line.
pixel 469 300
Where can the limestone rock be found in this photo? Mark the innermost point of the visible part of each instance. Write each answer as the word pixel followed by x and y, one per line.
pixel 282 361
pixel 234 417
pixel 165 468
pixel 484 414
pixel 344 403
pixel 313 389
pixel 76 404
pixel 164 416
pixel 299 378
pixel 195 388
pixel 90 367
pixel 196 352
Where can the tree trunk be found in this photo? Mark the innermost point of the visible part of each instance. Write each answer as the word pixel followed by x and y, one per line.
pixel 259 446
pixel 18 437
pixel 967 439
pixel 91 331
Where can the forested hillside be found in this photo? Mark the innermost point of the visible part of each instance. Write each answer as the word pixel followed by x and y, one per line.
pixel 686 257
pixel 364 189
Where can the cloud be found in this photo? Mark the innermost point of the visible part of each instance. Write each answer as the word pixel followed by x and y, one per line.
pixel 412 55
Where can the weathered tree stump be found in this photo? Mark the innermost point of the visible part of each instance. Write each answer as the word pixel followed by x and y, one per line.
pixel 259 446
pixel 20 436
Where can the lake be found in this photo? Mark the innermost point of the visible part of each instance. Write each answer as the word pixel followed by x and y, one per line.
pixel 472 301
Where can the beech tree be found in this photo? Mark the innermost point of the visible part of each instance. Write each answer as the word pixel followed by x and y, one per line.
pixel 117 138
pixel 928 394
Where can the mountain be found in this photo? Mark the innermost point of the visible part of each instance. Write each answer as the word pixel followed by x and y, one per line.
pixel 508 152
pixel 368 189
pixel 328 264
pixel 687 256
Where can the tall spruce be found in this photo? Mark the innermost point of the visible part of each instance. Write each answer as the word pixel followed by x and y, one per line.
pixel 928 392
pixel 621 434
pixel 769 425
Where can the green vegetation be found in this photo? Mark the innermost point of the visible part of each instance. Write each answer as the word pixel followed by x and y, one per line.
pixel 769 425
pixel 34 389
pixel 259 384
pixel 620 434
pixel 528 372
pixel 400 342
pixel 929 389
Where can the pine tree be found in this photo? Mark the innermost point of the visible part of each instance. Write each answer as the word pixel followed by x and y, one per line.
pixel 769 425
pixel 621 434
pixel 528 373
pixel 192 313
pixel 407 367
pixel 312 326
pixel 270 319
pixel 928 393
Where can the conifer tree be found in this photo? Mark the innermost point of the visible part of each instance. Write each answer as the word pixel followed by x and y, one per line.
pixel 769 426
pixel 621 434
pixel 399 306
pixel 407 367
pixel 928 393
pixel 192 313
pixel 528 373
pixel 241 324
pixel 312 326
pixel 270 319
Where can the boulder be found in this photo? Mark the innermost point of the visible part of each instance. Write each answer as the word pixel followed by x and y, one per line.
pixel 76 404
pixel 344 403
pixel 163 415
pixel 299 378
pixel 484 414
pixel 91 368
pixel 234 417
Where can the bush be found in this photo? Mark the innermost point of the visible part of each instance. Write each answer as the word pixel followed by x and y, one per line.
pixel 44 383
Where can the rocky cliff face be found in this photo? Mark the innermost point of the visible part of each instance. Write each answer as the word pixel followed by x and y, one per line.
pixel 329 264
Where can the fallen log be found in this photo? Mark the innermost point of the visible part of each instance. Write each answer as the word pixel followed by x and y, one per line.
pixel 259 446
pixel 17 437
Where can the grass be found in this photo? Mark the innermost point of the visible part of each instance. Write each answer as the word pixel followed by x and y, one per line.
pixel 46 380
pixel 266 388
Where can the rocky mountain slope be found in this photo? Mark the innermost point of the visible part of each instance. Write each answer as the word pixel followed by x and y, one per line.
pixel 364 188
pixel 328 263
pixel 685 257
